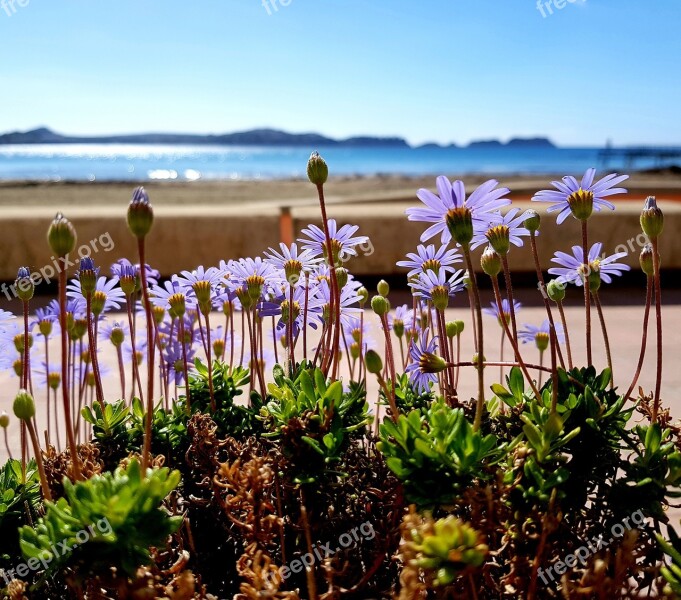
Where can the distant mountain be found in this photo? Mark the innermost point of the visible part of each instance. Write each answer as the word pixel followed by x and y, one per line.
pixel 485 144
pixel 535 142
pixel 254 137
pixel 433 145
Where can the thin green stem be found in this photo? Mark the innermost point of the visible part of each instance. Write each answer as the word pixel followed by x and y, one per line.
pixel 644 336
pixel 480 405
pixel 658 323
pixel 587 294
pixel 606 339
pixel 542 288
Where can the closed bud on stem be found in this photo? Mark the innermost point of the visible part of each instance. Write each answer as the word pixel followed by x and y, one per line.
pixel 61 236
pixel 373 361
pixel 24 406
pixel 24 284
pixel 532 221
pixel 476 360
pixel 555 290
pixel 383 288
pixel 117 336
pixel 398 327
pixel 652 219
pixel 646 260
pixel 380 305
pixel 451 329
pixel 87 275
pixel 140 214
pixel 363 294
pixel 460 326
pixel 341 277
pixel 490 262
pixel 317 169
pixel 4 420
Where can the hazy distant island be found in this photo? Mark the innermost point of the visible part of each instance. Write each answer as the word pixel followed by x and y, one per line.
pixel 253 137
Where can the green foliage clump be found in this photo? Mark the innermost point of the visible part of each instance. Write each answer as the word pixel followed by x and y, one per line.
pixel 16 496
pixel 110 520
pixel 436 453
pixel 307 413
pixel 232 419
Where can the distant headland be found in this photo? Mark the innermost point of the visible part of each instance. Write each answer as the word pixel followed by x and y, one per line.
pixel 253 137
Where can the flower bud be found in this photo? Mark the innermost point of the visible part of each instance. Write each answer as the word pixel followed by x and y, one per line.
pixel 61 236
pixel 383 288
pixel 87 275
pixel 317 169
pixel 460 326
pixel 490 262
pixel 646 260
pixel 24 284
pixel 117 335
pixel 4 420
pixel 24 407
pixel 363 294
pixel 398 327
pixel 451 329
pixel 532 221
pixel 373 362
pixel 476 362
pixel 555 290
pixel 652 219
pixel 140 214
pixel 380 305
pixel 341 277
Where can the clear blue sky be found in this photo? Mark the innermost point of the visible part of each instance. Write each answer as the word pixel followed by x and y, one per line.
pixel 443 70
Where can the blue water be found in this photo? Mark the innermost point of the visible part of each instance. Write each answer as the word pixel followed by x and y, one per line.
pixel 119 162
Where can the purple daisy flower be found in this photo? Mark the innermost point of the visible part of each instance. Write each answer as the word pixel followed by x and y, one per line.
pixel 493 311
pixel 512 225
pixel 320 304
pixel 566 188
pixel 108 328
pixel 427 258
pixel 343 240
pixel 424 364
pixel 572 265
pixel 353 328
pixel 530 333
pixel 291 254
pixel 273 308
pixel 174 360
pixel 160 295
pixel 112 295
pixel 428 281
pixel 482 202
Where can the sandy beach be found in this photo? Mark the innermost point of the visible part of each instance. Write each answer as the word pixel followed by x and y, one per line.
pixel 286 192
